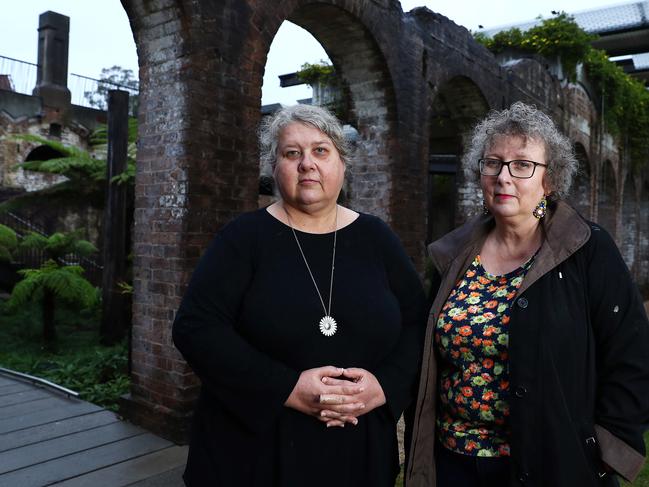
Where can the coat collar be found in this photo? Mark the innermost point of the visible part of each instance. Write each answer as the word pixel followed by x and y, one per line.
pixel 565 231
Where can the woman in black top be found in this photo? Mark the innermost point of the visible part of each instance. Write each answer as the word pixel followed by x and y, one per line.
pixel 304 322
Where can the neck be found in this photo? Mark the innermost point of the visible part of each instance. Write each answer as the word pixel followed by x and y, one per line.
pixel 322 220
pixel 518 237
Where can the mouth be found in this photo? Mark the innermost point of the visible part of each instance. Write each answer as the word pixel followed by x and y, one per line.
pixel 308 181
pixel 503 196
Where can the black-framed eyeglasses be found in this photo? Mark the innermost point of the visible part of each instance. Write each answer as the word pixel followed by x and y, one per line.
pixel 517 169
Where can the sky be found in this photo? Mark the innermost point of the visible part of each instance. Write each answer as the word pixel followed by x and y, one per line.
pixel 100 35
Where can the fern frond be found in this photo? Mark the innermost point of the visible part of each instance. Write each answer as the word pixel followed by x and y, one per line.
pixel 84 248
pixel 67 283
pixel 30 288
pixel 65 150
pixel 34 241
pixel 8 237
pixel 5 255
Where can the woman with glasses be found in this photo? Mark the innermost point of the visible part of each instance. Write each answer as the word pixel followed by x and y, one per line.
pixel 537 371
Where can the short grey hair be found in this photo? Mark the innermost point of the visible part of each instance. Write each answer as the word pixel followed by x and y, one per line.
pixel 530 123
pixel 316 116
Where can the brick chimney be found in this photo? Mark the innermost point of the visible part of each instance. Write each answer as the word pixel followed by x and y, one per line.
pixel 52 76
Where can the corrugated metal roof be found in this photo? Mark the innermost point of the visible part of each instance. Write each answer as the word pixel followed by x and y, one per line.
pixel 641 61
pixel 598 21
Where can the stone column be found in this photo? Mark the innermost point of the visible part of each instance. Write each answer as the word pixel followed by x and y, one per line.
pixel 52 76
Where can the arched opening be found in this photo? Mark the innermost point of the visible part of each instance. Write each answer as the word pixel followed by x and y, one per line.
pixel 283 84
pixel 368 105
pixel 459 104
pixel 606 197
pixel 43 153
pixel 580 192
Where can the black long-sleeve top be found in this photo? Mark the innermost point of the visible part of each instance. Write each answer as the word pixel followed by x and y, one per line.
pixel 248 325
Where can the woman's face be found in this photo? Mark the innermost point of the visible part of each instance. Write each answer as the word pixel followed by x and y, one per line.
pixel 309 171
pixel 509 197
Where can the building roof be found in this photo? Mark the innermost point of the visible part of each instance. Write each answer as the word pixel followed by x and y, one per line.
pixel 616 18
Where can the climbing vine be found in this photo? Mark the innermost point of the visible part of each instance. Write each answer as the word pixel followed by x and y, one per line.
pixel 624 100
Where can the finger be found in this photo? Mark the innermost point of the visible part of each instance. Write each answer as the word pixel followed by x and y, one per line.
pixel 346 409
pixel 354 374
pixel 330 371
pixel 335 422
pixel 331 381
pixel 349 419
pixel 347 390
pixel 333 399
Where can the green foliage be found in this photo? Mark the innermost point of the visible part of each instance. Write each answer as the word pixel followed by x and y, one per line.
pixel 8 242
pixel 124 287
pixel 65 282
pixel 114 78
pixel 58 244
pixel 559 36
pixel 624 100
pixel 322 72
pixel 75 164
pixel 98 373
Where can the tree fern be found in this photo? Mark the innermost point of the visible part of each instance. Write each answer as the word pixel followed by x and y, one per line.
pixel 58 244
pixel 8 242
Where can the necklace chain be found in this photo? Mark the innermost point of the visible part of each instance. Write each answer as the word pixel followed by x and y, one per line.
pixel 333 260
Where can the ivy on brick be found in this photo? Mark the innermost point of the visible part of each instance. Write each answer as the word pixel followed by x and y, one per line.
pixel 624 100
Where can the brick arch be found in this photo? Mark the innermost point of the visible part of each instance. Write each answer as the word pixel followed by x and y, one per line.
pixel 201 71
pixel 607 197
pixel 581 184
pixel 368 89
pixel 630 236
pixel 456 107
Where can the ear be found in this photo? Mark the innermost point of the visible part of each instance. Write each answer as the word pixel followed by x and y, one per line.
pixel 547 189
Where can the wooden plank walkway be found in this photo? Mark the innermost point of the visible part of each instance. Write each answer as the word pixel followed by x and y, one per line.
pixel 47 439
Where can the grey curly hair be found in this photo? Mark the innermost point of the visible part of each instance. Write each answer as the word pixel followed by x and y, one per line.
pixel 528 122
pixel 318 117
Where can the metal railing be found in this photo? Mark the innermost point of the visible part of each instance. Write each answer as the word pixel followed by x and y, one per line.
pixel 20 77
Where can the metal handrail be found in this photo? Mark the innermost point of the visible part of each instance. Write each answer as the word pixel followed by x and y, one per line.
pixel 39 381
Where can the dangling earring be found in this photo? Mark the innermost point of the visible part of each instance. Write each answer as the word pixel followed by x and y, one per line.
pixel 485 210
pixel 540 209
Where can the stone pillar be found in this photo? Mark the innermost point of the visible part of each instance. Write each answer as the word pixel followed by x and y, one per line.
pixel 52 75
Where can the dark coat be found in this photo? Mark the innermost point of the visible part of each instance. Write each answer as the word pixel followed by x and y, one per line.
pixel 579 358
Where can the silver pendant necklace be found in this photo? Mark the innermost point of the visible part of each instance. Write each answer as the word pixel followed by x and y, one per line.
pixel 328 325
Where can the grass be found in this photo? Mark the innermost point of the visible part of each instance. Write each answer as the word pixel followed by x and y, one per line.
pixel 78 361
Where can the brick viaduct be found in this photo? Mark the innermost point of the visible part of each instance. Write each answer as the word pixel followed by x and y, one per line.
pixel 415 82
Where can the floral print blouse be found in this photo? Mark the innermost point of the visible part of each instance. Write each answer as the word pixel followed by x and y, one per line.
pixel 472 340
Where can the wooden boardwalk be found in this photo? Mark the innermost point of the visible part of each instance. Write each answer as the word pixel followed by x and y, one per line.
pixel 47 438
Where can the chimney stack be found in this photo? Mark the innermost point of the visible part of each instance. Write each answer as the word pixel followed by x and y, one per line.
pixel 52 77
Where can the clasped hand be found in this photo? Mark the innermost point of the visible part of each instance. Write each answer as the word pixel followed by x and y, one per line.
pixel 336 396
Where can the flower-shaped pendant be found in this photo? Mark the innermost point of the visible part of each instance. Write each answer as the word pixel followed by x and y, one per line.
pixel 328 326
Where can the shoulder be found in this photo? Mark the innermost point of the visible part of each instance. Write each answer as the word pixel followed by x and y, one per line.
pixel 246 223
pixel 601 243
pixel 375 230
pixel 445 249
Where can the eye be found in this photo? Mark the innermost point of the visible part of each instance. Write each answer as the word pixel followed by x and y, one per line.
pixel 321 151
pixel 292 154
pixel 492 163
pixel 521 164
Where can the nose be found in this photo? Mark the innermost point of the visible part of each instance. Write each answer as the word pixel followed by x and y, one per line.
pixel 306 162
pixel 505 175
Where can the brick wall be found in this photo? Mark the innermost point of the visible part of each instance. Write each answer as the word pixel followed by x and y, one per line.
pixel 415 83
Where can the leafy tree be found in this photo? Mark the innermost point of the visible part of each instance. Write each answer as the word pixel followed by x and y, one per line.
pixel 114 78
pixel 55 279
